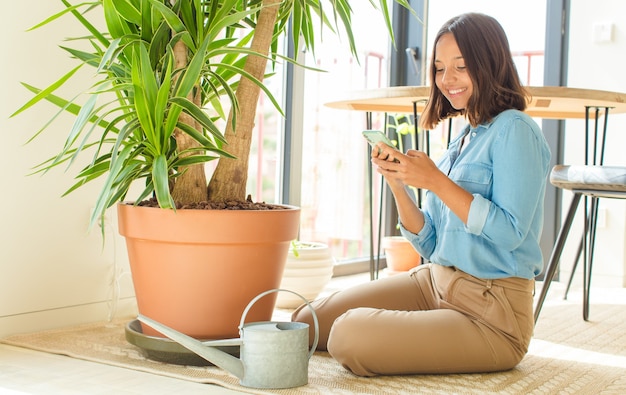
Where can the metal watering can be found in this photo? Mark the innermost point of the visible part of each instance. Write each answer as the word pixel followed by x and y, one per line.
pixel 273 354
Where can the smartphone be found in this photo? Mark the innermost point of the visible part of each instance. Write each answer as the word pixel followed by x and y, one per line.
pixel 375 136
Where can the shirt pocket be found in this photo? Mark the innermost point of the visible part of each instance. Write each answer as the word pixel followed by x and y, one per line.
pixel 474 178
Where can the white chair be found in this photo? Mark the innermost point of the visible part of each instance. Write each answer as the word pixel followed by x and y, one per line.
pixel 592 182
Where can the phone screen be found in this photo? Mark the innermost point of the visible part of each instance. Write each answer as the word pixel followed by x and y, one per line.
pixel 375 136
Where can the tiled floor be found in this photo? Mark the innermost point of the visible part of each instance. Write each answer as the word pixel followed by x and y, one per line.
pixel 24 371
pixel 29 372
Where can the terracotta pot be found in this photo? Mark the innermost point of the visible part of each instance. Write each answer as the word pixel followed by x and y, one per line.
pixel 196 270
pixel 400 254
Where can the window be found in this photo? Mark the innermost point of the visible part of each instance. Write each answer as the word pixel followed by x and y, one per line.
pixel 334 186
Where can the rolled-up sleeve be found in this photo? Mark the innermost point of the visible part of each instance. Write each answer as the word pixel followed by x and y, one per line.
pixel 425 240
pixel 519 178
pixel 478 212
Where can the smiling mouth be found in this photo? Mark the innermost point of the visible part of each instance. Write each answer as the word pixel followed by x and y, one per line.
pixel 456 91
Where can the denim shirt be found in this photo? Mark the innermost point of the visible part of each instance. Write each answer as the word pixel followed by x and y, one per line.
pixel 505 167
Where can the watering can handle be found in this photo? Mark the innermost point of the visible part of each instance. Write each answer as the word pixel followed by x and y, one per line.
pixel 315 323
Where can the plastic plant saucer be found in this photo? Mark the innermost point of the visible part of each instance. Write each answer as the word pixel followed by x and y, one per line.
pixel 166 350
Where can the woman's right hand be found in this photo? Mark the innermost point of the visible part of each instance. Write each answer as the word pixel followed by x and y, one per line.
pixel 415 168
pixel 387 160
pixel 396 167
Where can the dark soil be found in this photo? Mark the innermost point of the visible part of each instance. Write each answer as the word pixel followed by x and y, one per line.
pixel 248 204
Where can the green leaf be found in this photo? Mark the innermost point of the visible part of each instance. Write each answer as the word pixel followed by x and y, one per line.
pixel 263 87
pixel 160 180
pixel 109 54
pixel 198 115
pixel 148 78
pixel 46 92
pixel 196 159
pixel 191 75
pixel 88 25
pixel 170 16
pixel 142 97
pixel 147 24
pixel 58 15
pixel 102 202
pixel 163 94
pixel 128 11
pixel 82 118
pixel 118 26
pixel 206 144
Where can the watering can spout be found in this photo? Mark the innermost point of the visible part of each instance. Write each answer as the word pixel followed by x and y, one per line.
pixel 205 349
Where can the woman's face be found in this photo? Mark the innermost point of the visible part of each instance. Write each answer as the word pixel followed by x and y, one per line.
pixel 451 76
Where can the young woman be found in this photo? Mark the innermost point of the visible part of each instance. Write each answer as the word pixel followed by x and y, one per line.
pixel 471 308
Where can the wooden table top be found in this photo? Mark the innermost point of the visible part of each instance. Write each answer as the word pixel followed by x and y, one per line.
pixel 549 102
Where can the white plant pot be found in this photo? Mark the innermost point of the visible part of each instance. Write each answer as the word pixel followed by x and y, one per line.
pixel 307 273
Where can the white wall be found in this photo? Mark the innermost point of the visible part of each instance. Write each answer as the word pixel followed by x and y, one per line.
pixel 598 66
pixel 53 272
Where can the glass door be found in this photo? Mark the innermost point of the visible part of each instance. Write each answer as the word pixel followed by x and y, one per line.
pixel 334 187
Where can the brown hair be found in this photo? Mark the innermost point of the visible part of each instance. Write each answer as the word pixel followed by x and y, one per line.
pixel 485 49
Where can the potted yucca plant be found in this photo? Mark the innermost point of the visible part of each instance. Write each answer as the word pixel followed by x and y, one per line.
pixel 168 74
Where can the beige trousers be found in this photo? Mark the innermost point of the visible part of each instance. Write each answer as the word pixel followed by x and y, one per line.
pixel 433 319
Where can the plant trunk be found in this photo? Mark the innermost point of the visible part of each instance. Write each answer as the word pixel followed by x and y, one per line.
pixel 230 177
pixel 189 187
